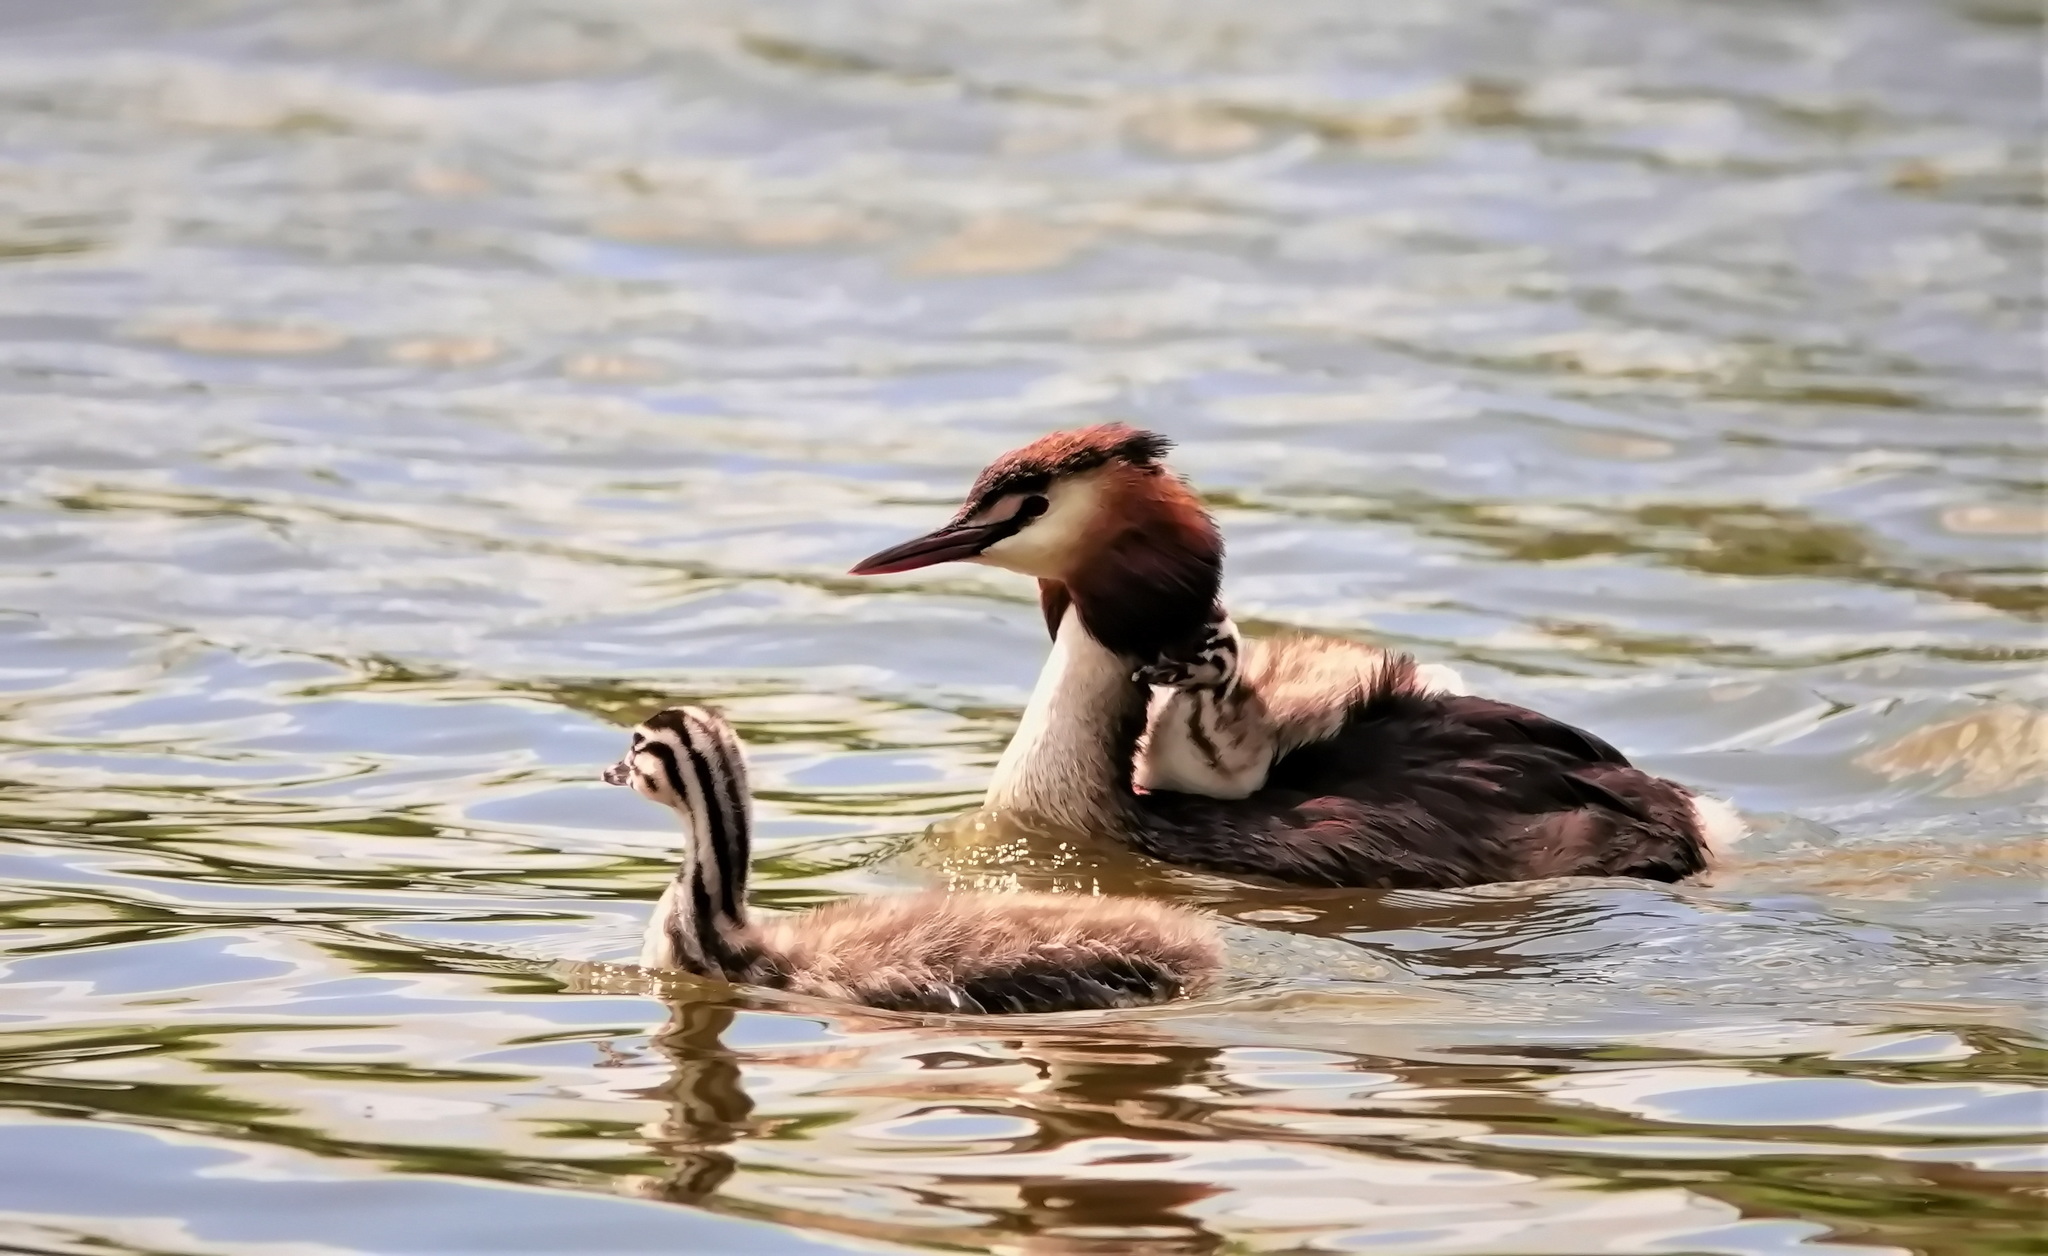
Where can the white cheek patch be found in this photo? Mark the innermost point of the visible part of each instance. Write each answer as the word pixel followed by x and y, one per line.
pixel 1046 546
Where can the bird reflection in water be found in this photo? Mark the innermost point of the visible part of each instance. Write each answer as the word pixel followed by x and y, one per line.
pixel 708 1107
pixel 1072 1087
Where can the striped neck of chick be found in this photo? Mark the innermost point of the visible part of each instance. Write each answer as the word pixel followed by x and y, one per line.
pixel 689 761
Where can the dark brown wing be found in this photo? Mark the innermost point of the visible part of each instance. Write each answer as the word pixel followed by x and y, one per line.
pixel 1512 723
pixel 1418 791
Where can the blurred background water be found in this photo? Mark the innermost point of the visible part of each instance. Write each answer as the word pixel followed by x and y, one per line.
pixel 402 395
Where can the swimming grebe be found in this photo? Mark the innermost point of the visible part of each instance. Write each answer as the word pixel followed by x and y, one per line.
pixel 1378 776
pixel 929 952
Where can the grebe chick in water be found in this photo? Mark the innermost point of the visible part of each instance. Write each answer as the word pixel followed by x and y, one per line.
pixel 1390 785
pixel 924 952
pixel 1219 718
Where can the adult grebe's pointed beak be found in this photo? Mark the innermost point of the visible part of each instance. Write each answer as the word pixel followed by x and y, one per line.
pixel 617 774
pixel 949 544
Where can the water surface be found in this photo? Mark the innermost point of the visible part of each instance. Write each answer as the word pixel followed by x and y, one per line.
pixel 403 395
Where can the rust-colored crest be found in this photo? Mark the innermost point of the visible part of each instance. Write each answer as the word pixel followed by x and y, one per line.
pixel 1032 467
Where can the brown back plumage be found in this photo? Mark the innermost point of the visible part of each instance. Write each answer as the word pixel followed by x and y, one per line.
pixel 995 953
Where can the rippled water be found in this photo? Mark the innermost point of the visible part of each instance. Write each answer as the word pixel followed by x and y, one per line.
pixel 401 395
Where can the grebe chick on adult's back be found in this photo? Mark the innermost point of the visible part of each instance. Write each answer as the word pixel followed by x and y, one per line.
pixel 928 952
pixel 1220 718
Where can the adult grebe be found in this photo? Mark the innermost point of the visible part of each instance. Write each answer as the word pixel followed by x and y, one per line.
pixel 1380 774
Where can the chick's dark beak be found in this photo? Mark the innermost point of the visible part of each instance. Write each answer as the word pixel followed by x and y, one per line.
pixel 949 544
pixel 619 773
